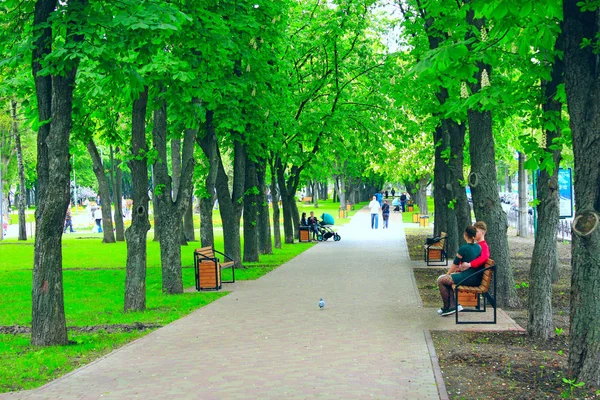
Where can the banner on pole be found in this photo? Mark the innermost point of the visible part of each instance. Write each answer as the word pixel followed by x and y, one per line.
pixel 565 192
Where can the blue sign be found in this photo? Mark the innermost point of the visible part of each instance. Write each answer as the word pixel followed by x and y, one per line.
pixel 565 192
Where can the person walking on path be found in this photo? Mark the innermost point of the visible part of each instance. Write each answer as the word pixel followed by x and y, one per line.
pixel 375 208
pixel 385 213
pixel 98 218
pixel 466 253
pixel 68 221
pixel 393 192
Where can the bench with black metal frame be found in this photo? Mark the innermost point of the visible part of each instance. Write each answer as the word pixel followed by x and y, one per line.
pixel 435 250
pixel 481 291
pixel 207 254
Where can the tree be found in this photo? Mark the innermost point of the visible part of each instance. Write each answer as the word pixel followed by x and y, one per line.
pixel 582 85
pixel 135 281
pixel 54 90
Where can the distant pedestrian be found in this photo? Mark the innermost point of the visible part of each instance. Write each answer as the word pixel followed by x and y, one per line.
pixel 98 218
pixel 68 221
pixel 403 201
pixel 385 213
pixel 393 192
pixel 386 194
pixel 375 209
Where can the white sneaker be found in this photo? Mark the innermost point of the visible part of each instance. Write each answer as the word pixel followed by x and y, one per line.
pixel 459 308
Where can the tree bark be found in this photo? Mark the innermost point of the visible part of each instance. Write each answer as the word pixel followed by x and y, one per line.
pixel 155 207
pixel 486 201
pixel 230 205
pixel 208 144
pixel 440 175
pixel 582 84
pixel 176 173
pixel 251 213
pixel 462 208
pixel 55 105
pixel 171 203
pixel 104 191
pixel 275 205
pixel 21 170
pixel 188 221
pixel 135 281
pixel 484 188
pixel 286 200
pixel 265 245
pixel 118 195
pixel 544 261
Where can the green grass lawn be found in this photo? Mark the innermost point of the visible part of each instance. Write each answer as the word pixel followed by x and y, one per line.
pixel 94 281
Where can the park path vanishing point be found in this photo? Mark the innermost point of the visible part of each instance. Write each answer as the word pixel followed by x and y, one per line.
pixel 269 340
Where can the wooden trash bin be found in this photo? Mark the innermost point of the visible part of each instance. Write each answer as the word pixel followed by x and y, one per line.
pixel 415 218
pixel 209 275
pixel 467 299
pixel 424 220
pixel 343 213
pixel 410 208
pixel 349 207
pixel 304 234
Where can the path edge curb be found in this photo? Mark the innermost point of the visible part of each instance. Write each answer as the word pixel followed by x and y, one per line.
pixel 437 372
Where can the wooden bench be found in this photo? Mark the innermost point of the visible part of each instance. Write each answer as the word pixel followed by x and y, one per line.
pixel 208 267
pixel 470 296
pixel 307 200
pixel 436 252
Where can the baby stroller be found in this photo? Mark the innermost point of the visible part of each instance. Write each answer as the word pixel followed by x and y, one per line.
pixel 325 231
pixel 396 204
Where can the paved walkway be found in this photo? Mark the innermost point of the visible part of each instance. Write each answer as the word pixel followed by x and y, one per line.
pixel 269 340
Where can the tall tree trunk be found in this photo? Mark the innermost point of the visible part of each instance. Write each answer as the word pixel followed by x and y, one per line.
pixel 208 144
pixel 286 200
pixel 486 201
pixel 544 261
pixel 104 191
pixel 523 225
pixel 462 208
pixel 250 213
pixel 118 195
pixel 230 205
pixel 21 170
pixel 265 245
pixel 55 104
pixel 484 188
pixel 188 221
pixel 275 204
pixel 176 173
pixel 440 175
pixel 342 190
pixel 135 281
pixel 155 207
pixel 171 203
pixel 582 84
